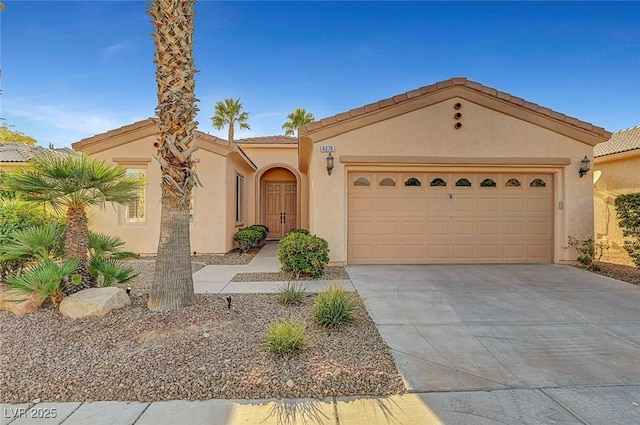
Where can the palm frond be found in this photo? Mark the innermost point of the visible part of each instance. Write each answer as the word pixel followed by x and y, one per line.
pixel 110 270
pixel 43 279
pixel 34 243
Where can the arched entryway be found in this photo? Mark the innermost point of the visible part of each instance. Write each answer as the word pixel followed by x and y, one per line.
pixel 279 201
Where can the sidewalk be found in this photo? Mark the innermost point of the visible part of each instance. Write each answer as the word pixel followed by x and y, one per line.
pixel 409 409
pixel 217 279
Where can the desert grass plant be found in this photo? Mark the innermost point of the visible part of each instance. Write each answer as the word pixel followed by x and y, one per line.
pixel 334 307
pixel 285 337
pixel 43 279
pixel 291 294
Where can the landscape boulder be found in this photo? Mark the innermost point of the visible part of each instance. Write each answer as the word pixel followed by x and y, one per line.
pixel 11 301
pixel 94 302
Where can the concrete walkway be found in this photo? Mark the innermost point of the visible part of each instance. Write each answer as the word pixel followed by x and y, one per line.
pixel 539 344
pixel 217 279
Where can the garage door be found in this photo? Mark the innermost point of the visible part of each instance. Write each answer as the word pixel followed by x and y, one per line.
pixel 431 218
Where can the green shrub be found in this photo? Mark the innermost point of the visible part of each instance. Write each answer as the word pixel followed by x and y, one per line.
pixel 589 252
pixel 261 228
pixel 303 254
pixel 303 231
pixel 44 279
pixel 334 307
pixel 285 337
pixel 290 294
pixel 248 238
pixel 628 212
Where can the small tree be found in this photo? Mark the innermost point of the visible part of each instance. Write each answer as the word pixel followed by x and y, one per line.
pixel 229 112
pixel 628 212
pixel 71 184
pixel 296 119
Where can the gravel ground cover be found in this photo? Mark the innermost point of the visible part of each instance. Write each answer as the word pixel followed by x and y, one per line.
pixel 231 258
pixel 618 265
pixel 330 273
pixel 202 352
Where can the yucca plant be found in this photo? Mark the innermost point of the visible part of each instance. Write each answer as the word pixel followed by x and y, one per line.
pixel 44 279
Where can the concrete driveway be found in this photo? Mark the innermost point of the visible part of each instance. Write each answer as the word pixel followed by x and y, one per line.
pixel 510 343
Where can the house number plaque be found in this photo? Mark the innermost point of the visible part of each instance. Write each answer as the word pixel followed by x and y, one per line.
pixel 327 148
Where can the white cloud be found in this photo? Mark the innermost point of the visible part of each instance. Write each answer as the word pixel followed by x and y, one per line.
pixel 63 124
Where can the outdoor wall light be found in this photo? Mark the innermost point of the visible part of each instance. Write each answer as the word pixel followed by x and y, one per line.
pixel 329 163
pixel 584 166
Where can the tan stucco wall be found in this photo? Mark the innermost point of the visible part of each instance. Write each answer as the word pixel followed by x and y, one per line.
pixel 214 203
pixel 429 132
pixel 268 157
pixel 620 175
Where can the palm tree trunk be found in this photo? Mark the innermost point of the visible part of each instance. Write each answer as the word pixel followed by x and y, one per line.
pixel 231 131
pixel 77 246
pixel 173 22
pixel 173 264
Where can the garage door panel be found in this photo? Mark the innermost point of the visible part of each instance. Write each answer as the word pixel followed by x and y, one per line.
pixel 386 227
pixel 463 228
pixel 540 252
pixel 437 206
pixel 363 229
pixel 514 251
pixel 362 206
pixel 489 228
pixel 511 228
pixel 414 229
pixel 489 252
pixel 513 205
pixel 540 228
pixel 539 205
pixel 439 252
pixel 489 205
pixel 387 205
pixel 464 253
pixel 435 228
pixel 499 218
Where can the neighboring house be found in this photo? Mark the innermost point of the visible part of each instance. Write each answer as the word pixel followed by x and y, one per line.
pixel 616 171
pixel 454 172
pixel 14 155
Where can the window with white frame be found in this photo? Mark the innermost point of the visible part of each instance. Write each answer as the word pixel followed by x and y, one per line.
pixel 239 198
pixel 135 211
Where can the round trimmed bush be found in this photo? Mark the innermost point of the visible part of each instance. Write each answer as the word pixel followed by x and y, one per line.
pixel 248 238
pixel 303 254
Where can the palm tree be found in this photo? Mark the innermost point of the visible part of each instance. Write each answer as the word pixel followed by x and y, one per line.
pixel 297 119
pixel 70 184
pixel 229 113
pixel 173 22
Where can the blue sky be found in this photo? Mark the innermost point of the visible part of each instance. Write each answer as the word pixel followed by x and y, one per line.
pixel 75 69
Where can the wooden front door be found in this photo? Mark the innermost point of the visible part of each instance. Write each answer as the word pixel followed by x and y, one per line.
pixel 280 208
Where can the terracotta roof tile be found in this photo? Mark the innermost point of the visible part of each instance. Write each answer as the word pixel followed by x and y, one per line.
pixel 428 89
pixel 19 152
pixel 458 81
pixel 621 141
pixel 265 140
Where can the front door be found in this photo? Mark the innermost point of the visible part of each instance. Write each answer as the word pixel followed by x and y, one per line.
pixel 280 208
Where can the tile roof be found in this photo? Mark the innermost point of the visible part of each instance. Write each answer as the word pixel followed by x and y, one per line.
pixel 621 141
pixel 19 152
pixel 279 140
pixel 460 81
